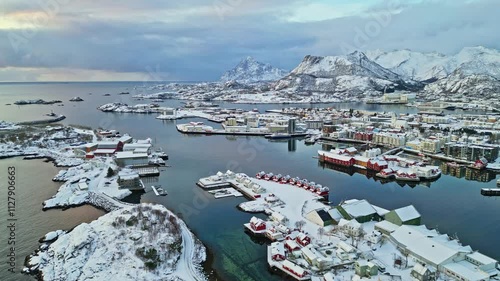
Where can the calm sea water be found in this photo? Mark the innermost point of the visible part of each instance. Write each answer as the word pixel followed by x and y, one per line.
pixel 453 205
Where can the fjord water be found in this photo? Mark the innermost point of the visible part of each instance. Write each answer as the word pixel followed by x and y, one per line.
pixel 453 205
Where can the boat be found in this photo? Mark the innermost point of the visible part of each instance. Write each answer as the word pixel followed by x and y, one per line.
pixel 490 191
pixel 498 182
pixel 310 141
pixel 292 181
pixel 277 177
pixel 161 154
pixel 285 179
pixel 260 175
pixel 51 114
pixel 158 190
pixel 278 136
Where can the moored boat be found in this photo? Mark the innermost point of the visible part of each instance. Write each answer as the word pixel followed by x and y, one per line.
pixel 268 176
pixel 260 175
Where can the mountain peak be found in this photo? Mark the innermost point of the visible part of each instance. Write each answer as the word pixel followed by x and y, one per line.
pixel 249 70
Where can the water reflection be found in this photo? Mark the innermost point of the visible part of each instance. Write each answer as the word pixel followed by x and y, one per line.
pixel 460 171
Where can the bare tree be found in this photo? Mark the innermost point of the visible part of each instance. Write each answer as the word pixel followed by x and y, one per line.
pixel 321 232
pixel 300 224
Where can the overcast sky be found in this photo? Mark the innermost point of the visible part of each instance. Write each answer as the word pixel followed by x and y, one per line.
pixel 194 40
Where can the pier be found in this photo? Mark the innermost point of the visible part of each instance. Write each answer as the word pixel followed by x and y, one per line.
pixel 220 182
pixel 147 171
pixel 43 121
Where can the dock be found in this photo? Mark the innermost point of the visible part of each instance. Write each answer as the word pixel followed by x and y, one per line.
pixel 216 182
pixel 43 121
pixel 225 192
pixel 147 171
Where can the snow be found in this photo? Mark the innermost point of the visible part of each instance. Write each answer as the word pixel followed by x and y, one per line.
pixel 112 246
pixel 358 208
pixel 425 66
pixel 95 171
pixel 250 71
pixel 407 213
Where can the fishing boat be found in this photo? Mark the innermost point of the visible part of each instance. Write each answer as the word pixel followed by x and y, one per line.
pixel 161 154
pixel 260 175
pixel 312 186
pixel 158 190
pixel 285 179
pixel 292 181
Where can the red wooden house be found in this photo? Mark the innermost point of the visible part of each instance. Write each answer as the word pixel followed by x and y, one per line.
pixel 257 224
pixel 303 239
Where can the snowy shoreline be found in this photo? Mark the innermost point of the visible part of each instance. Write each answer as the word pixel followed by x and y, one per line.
pixel 87 181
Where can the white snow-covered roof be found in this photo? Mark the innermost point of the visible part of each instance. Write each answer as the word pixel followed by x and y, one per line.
pixel 104 151
pixel 380 211
pixel 467 271
pixel 407 213
pixel 387 226
pixel 477 256
pixel 358 208
pixel 335 214
pixel 335 155
pixel 277 248
pixel 130 154
pixel 350 223
pixel 418 240
pixel 422 269
pixel 309 252
pixel 297 269
pixel 292 244
pixel 329 277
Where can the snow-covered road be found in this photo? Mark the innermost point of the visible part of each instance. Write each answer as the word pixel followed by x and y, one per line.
pixel 186 268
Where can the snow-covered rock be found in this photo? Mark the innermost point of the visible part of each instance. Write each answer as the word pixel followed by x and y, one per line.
pixel 353 72
pixel 250 71
pixel 143 242
pixel 432 66
pixel 459 84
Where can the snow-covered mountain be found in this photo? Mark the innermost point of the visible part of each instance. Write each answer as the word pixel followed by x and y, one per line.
pixel 461 84
pixel 250 71
pixel 432 66
pixel 354 73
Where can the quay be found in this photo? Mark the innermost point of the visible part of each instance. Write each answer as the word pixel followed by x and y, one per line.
pixel 239 183
pixel 440 157
pixel 43 121
pixel 147 170
pixel 207 130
